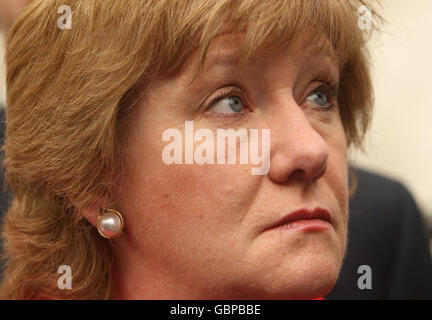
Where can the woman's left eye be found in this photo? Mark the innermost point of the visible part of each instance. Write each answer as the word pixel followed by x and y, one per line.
pixel 322 98
pixel 318 100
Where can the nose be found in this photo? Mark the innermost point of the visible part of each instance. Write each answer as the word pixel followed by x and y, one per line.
pixel 298 151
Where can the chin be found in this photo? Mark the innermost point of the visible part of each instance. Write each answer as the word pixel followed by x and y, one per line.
pixel 313 275
pixel 301 281
pixel 309 277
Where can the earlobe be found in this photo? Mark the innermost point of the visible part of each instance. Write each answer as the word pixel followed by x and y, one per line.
pixel 90 212
pixel 109 222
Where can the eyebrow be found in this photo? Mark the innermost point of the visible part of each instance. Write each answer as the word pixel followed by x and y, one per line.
pixel 324 51
pixel 231 57
pixel 226 59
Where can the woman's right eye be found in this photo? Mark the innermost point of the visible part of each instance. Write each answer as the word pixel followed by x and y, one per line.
pixel 229 103
pixel 232 104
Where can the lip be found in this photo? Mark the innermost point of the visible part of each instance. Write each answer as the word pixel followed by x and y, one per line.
pixel 304 219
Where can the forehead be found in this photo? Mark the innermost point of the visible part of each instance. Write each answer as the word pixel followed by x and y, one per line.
pixel 225 51
pixel 226 48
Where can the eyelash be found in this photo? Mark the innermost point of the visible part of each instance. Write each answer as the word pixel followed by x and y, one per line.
pixel 331 91
pixel 226 93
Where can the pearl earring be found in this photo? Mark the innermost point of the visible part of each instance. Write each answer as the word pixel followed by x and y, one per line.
pixel 109 223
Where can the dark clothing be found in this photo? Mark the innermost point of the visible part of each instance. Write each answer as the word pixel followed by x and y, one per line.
pixel 4 197
pixel 387 233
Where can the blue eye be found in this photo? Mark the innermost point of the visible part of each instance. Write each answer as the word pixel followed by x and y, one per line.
pixel 233 104
pixel 317 99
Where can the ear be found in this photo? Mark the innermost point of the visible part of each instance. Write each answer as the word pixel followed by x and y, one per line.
pixel 91 211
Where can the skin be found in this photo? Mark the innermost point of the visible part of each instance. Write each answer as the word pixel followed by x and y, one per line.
pixel 197 231
pixel 9 10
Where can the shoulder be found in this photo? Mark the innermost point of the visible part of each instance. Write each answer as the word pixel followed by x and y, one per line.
pixel 380 195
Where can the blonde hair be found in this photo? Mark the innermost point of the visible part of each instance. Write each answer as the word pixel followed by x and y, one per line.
pixel 71 93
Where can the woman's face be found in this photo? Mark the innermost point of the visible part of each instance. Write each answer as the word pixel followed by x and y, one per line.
pixel 202 230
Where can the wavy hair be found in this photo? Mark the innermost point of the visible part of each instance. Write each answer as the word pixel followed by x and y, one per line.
pixel 70 95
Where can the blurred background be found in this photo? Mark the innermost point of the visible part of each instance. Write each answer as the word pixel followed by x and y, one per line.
pixel 399 144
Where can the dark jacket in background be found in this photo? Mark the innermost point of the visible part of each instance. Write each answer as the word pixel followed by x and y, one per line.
pixel 4 195
pixel 4 198
pixel 387 233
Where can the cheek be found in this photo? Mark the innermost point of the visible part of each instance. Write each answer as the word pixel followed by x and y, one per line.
pixel 338 171
pixel 191 196
pixel 195 196
pixel 187 218
pixel 337 175
pixel 338 165
pixel 177 210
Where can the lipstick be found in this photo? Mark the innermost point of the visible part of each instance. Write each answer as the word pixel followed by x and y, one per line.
pixel 318 219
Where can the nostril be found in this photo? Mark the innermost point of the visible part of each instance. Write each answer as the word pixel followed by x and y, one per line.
pixel 313 172
pixel 299 173
pixel 322 171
